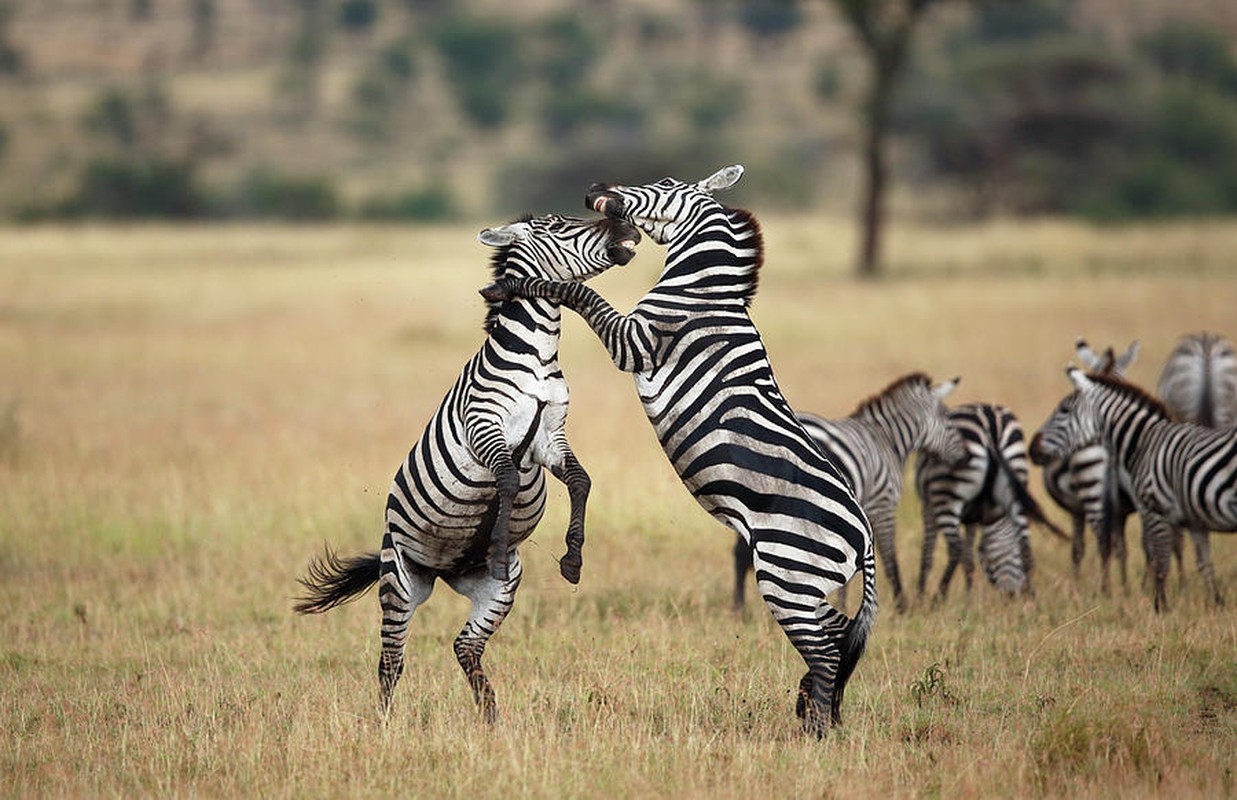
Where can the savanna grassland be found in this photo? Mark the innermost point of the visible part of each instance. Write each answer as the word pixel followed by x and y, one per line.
pixel 187 414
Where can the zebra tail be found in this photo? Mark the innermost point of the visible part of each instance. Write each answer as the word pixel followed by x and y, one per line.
pixel 1024 497
pixel 855 638
pixel 332 581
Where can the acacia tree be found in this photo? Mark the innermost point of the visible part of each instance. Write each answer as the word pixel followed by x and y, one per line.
pixel 884 28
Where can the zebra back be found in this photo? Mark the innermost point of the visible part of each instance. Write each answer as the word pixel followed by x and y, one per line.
pixel 1199 381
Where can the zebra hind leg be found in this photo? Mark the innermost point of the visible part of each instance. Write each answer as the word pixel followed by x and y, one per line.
pixel 1202 559
pixel 400 591
pixel 491 602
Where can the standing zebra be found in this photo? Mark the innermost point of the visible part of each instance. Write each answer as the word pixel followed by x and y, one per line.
pixel 704 378
pixel 987 489
pixel 1199 381
pixel 1078 482
pixel 1179 474
pixel 871 447
pixel 472 487
pixel 1199 384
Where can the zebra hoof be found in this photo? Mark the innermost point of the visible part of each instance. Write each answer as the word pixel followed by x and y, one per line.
pixel 570 568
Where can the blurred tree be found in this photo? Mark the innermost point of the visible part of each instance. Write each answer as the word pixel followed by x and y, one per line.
pixel 358 16
pixel 204 25
pixel 884 29
pixel 11 60
pixel 297 87
pixel 483 64
pixel 1190 51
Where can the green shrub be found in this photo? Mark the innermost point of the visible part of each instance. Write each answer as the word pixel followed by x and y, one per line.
pixel 126 187
pixel 421 205
pixel 267 194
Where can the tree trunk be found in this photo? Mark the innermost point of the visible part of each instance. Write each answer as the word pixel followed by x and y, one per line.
pixel 872 207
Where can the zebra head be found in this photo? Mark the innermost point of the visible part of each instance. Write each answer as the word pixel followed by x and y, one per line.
pixel 1108 362
pixel 1003 550
pixel 1071 424
pixel 660 208
pixel 561 248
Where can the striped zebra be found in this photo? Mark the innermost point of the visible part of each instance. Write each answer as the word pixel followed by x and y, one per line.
pixel 704 379
pixel 871 447
pixel 1199 384
pixel 1078 482
pixel 472 488
pixel 1179 474
pixel 1199 381
pixel 988 490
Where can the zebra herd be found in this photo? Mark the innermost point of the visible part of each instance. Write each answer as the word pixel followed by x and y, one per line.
pixel 810 500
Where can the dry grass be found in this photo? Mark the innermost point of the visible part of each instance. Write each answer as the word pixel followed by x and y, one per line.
pixel 186 414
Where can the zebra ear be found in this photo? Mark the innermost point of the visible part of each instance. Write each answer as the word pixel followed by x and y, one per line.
pixel 504 235
pixel 1081 382
pixel 724 178
pixel 1127 358
pixel 1089 358
pixel 942 389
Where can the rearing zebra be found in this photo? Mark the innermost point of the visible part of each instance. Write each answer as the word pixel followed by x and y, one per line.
pixel 871 447
pixel 1179 474
pixel 704 378
pixel 1079 482
pixel 472 487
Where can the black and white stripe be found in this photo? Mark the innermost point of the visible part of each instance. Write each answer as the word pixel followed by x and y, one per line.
pixel 1179 474
pixel 871 447
pixel 1199 381
pixel 1080 483
pixel 472 488
pixel 704 378
pixel 987 490
pixel 1199 384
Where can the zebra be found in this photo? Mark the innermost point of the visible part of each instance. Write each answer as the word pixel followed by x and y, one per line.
pixel 1179 474
pixel 704 379
pixel 1199 381
pixel 988 489
pixel 472 487
pixel 871 447
pixel 1078 483
pixel 1199 384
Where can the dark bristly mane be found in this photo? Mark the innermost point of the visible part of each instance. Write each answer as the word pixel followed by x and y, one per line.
pixel 745 219
pixel 917 378
pixel 1132 392
pixel 498 266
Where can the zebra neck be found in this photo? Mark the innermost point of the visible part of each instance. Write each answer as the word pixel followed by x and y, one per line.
pixel 886 425
pixel 717 260
pixel 1128 428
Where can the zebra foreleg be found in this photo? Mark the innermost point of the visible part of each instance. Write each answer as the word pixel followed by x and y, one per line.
pixel 491 602
pixel 882 522
pixel 400 591
pixel 485 437
pixel 1202 559
pixel 742 566
pixel 1158 537
pixel 578 485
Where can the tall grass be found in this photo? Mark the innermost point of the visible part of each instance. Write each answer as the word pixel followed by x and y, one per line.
pixel 201 408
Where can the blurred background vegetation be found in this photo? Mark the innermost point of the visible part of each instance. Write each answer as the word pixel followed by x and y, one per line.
pixel 428 110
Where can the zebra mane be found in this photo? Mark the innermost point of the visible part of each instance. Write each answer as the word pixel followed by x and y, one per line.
pixel 498 266
pixel 913 378
pixel 1133 393
pixel 746 220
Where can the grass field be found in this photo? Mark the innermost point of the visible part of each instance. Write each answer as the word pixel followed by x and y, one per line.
pixel 186 415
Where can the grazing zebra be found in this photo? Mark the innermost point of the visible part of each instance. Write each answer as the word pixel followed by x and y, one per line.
pixel 704 378
pixel 987 489
pixel 1078 482
pixel 1179 474
pixel 472 487
pixel 871 447
pixel 1199 381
